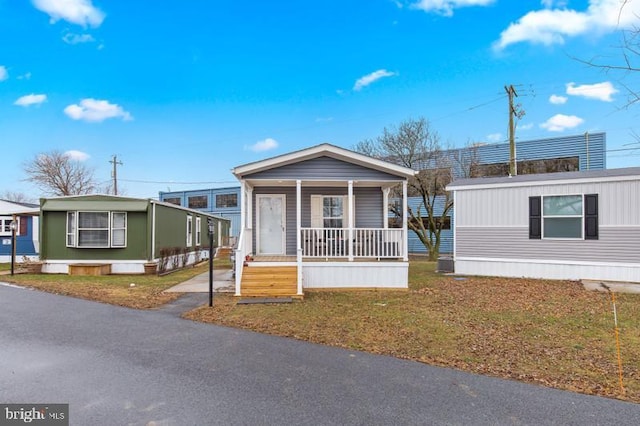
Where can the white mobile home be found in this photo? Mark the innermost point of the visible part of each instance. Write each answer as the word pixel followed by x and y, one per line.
pixel 576 225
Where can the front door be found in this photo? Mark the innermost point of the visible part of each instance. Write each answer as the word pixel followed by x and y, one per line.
pixel 270 238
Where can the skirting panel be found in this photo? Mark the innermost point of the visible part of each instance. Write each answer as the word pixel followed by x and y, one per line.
pixel 355 275
pixel 131 267
pixel 542 270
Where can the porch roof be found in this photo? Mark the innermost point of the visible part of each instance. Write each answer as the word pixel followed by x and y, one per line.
pixel 324 150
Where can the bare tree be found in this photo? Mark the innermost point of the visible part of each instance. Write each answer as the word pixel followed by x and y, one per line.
pixel 58 174
pixel 415 145
pixel 16 197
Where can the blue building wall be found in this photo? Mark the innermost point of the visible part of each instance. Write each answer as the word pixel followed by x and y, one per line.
pixel 232 213
pixel 590 148
pixel 25 245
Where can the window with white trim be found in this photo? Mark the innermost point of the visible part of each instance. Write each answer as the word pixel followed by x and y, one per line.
pixel 333 212
pixel 96 229
pixel 189 231
pixel 198 231
pixel 563 217
pixel 5 225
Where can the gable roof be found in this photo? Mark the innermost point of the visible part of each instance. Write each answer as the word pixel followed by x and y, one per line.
pixel 323 150
pixel 627 173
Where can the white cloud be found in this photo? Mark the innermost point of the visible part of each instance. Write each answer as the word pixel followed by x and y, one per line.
pixel 600 91
pixel 558 100
pixel 264 145
pixel 80 12
pixel 25 76
pixel 71 38
pixel 371 78
pixel 552 25
pixel 31 99
pixel 561 122
pixel 527 126
pixel 77 155
pixel 323 119
pixel 95 110
pixel 495 137
pixel 4 74
pixel 554 3
pixel 446 7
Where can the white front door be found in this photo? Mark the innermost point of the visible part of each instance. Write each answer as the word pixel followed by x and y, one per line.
pixel 270 219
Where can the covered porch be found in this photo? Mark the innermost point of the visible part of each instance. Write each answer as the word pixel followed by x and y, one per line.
pixel 319 234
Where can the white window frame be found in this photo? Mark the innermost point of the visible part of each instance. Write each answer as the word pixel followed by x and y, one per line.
pixel 5 222
pixel 73 230
pixel 575 216
pixel 198 231
pixel 189 231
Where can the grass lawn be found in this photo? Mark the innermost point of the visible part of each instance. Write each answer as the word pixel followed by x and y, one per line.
pixel 552 333
pixel 115 289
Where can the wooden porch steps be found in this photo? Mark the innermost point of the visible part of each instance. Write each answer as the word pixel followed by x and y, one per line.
pixel 223 252
pixel 269 281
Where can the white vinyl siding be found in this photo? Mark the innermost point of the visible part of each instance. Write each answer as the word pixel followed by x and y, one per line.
pixel 96 229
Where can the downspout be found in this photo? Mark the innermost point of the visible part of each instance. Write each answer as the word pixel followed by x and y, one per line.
pixel 153 231
pixel 586 137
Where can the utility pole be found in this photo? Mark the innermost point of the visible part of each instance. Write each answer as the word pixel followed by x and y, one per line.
pixel 513 165
pixel 114 174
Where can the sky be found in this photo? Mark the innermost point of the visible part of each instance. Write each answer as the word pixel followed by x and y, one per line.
pixel 183 91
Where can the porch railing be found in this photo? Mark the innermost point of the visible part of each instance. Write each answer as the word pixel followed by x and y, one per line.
pixel 243 249
pixel 376 243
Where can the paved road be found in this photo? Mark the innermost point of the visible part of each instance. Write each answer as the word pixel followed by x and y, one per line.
pixel 117 366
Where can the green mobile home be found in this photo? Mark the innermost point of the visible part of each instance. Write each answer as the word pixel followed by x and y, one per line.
pixel 124 233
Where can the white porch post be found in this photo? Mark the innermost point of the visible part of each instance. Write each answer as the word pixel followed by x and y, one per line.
pixel 385 207
pixel 298 231
pixel 243 201
pixel 405 226
pixel 350 220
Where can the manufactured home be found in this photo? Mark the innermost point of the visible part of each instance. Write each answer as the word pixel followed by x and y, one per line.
pixel 123 235
pixel 574 225
pixel 27 239
pixel 318 218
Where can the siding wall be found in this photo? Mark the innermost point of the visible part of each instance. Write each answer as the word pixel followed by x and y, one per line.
pixel 323 168
pixel 368 208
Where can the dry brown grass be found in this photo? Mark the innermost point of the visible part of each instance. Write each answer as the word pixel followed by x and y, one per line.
pixel 115 289
pixel 552 333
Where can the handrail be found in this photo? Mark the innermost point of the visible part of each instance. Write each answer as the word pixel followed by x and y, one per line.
pixel 373 243
pixel 244 241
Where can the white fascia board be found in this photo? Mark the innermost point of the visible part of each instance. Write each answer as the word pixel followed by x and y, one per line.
pixel 320 150
pixel 542 183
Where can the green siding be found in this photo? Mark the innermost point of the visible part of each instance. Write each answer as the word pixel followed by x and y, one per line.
pixel 171 228
pixel 53 244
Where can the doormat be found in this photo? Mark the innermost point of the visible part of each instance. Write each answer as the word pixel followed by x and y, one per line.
pixel 253 300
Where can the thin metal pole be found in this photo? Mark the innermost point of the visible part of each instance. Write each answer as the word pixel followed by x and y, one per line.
pixel 210 227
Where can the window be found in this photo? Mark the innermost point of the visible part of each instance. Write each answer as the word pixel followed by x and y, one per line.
pixel 564 216
pixel 189 231
pixel 173 200
pixel 226 200
pixel 198 202
pixel 96 229
pixel 198 231
pixel 118 229
pixel 5 225
pixel 332 212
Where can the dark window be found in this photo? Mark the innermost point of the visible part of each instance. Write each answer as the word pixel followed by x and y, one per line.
pixel 535 218
pixel 173 200
pixel 591 217
pixel 527 167
pixel 226 200
pixel 198 202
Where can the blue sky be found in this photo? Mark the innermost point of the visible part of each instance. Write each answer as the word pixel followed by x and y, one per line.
pixel 182 91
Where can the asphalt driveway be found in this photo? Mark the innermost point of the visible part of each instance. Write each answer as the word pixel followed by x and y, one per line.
pixel 121 366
